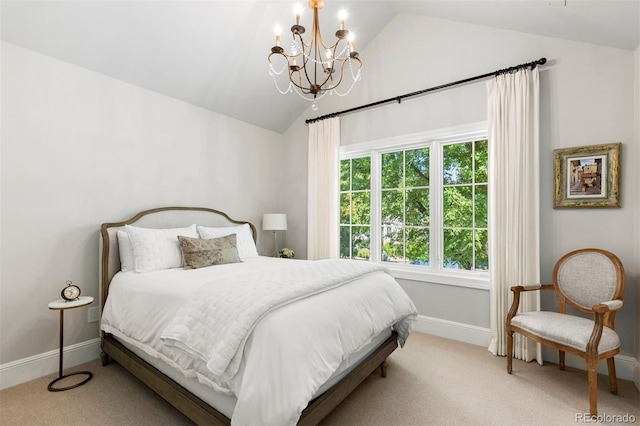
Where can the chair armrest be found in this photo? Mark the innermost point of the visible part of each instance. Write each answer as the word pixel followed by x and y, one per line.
pixel 528 287
pixel 608 306
pixel 599 322
pixel 516 297
pixel 531 287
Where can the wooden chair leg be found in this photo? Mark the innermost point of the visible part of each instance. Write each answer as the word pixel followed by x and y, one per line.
pixel 593 389
pixel 509 351
pixel 561 359
pixel 613 381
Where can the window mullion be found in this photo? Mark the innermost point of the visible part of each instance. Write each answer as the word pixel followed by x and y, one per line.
pixel 404 206
pixel 473 206
pixel 436 225
pixel 376 206
pixel 351 208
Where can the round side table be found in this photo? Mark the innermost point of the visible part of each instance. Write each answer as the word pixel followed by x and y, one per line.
pixel 61 305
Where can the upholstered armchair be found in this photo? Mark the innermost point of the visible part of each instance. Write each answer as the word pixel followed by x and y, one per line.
pixel 591 281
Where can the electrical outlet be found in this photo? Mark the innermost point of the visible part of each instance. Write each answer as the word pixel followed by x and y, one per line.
pixel 93 314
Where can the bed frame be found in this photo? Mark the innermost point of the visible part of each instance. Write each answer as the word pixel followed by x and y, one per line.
pixel 190 405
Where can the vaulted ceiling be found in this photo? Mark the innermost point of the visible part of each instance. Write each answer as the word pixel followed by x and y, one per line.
pixel 213 54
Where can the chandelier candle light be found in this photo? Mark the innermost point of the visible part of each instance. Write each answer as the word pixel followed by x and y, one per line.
pixel 314 68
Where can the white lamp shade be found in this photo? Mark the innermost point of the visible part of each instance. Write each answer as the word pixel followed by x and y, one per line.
pixel 274 222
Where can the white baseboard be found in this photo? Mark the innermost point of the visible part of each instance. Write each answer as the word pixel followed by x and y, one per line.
pixel 26 369
pixel 627 368
pixel 624 364
pixel 454 330
pixel 34 367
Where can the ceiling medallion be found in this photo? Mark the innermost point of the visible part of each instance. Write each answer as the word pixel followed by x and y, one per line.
pixel 314 68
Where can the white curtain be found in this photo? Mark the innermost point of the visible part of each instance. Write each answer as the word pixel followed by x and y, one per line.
pixel 324 189
pixel 514 199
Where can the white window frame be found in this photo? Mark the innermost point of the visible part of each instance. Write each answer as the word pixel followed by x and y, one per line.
pixel 434 140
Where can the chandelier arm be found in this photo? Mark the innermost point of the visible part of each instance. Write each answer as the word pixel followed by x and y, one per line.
pixel 291 78
pixel 355 80
pixel 304 45
pixel 299 86
pixel 359 67
pixel 304 53
pixel 305 59
pixel 276 53
pixel 330 77
pixel 354 77
pixel 303 89
pixel 341 74
pixel 322 87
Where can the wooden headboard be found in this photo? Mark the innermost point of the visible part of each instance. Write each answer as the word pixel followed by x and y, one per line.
pixel 162 217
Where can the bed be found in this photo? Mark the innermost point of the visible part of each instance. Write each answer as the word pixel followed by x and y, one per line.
pixel 254 340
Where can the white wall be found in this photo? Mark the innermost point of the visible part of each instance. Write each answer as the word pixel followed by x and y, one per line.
pixel 586 99
pixel 79 149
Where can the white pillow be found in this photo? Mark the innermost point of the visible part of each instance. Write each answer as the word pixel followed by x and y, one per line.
pixel 246 245
pixel 155 249
pixel 127 260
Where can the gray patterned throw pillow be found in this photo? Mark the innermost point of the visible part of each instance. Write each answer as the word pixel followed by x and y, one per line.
pixel 199 253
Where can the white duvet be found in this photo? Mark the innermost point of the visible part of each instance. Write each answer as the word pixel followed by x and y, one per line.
pixel 264 360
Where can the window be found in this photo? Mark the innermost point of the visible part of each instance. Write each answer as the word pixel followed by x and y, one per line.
pixel 418 204
pixel 355 208
pixel 405 207
pixel 464 205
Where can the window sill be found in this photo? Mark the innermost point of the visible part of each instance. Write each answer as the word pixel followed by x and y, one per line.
pixel 478 281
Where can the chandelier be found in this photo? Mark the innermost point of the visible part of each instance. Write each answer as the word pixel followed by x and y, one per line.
pixel 314 68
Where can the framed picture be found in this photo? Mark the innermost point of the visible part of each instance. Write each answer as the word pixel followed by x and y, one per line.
pixel 587 176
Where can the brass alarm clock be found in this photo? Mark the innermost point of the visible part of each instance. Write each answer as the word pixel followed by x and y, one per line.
pixel 70 292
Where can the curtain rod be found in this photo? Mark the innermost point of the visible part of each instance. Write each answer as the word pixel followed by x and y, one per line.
pixel 399 99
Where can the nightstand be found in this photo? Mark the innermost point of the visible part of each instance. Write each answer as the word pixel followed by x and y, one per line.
pixel 61 305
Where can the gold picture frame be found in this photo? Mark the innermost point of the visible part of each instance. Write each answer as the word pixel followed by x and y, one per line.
pixel 587 176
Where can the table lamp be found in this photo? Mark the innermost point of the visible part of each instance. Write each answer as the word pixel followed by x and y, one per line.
pixel 274 222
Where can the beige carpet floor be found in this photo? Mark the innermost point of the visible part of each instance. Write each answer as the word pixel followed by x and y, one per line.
pixel 432 381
